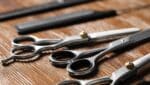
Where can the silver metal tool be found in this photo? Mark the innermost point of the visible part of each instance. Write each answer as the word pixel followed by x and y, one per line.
pixel 86 66
pixel 117 77
pixel 28 52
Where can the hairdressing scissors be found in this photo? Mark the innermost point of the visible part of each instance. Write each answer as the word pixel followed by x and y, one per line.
pixel 119 76
pixel 85 66
pixel 29 52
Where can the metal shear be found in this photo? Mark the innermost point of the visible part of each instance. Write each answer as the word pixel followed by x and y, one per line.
pixel 119 76
pixel 88 65
pixel 29 52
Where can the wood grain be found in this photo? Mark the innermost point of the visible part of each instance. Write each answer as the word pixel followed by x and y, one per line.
pixel 41 72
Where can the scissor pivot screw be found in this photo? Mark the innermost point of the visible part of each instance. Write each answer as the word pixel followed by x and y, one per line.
pixel 129 65
pixel 84 34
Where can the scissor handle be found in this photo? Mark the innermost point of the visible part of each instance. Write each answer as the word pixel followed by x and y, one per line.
pixel 85 66
pixel 64 57
pixel 26 53
pixel 70 82
pixel 13 58
pixel 18 41
pixel 81 67
pixel 21 53
pixel 100 81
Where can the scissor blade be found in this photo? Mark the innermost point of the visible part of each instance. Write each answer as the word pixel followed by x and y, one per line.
pixel 112 34
pixel 98 37
pixel 125 72
pixel 120 75
pixel 130 40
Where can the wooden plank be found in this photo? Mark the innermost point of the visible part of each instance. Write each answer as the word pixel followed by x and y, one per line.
pixel 41 72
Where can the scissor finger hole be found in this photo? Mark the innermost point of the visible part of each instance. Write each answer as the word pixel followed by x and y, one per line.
pixel 47 42
pixel 23 51
pixel 81 65
pixel 70 82
pixel 24 40
pixel 63 55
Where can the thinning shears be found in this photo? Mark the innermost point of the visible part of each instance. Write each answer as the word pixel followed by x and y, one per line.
pixel 29 52
pixel 88 65
pixel 119 76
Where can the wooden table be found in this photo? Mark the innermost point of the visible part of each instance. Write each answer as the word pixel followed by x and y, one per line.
pixel 41 72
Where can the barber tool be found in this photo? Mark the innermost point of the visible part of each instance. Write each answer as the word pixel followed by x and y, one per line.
pixel 67 19
pixel 40 8
pixel 62 20
pixel 119 76
pixel 86 66
pixel 29 52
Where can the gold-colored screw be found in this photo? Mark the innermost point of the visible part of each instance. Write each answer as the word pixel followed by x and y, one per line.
pixel 84 34
pixel 129 65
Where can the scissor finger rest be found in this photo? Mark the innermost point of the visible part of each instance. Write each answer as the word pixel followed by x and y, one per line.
pixel 7 61
pixel 20 54
pixel 13 58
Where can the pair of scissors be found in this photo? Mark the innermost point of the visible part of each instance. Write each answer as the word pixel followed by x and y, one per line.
pixel 78 66
pixel 119 76
pixel 29 52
